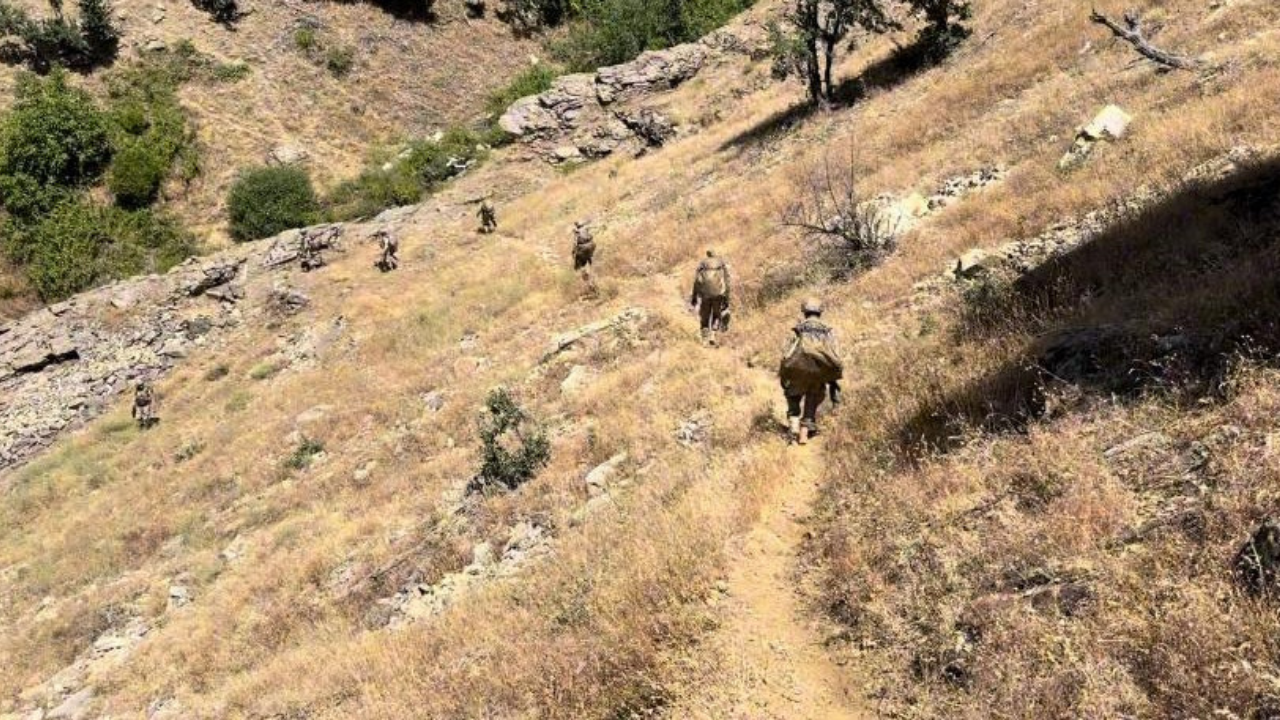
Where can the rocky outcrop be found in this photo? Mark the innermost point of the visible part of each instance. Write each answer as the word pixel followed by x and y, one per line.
pixel 652 71
pixel 65 364
pixel 586 115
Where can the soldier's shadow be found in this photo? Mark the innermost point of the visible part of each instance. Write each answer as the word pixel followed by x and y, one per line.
pixel 1167 301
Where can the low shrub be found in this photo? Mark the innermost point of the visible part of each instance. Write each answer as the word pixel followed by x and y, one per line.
pixel 80 244
pixel 269 200
pixel 512 448
pixel 534 80
pixel 406 178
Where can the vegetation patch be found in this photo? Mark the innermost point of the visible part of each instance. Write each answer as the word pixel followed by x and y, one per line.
pixel 267 201
pixel 512 447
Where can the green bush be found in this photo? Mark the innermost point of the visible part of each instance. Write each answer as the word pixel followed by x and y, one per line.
pixel 80 244
pixel 46 43
pixel 137 173
pixel 267 201
pixel 421 168
pixel 536 79
pixel 512 448
pixel 54 135
pixel 340 61
pixel 304 38
pixel 608 32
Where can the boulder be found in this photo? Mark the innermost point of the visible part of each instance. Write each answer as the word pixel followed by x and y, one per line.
pixel 75 707
pixel 554 111
pixel 1110 123
pixel 648 125
pixel 600 478
pixel 288 154
pixel 651 71
pixel 579 377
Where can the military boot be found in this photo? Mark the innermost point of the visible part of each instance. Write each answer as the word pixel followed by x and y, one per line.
pixel 794 428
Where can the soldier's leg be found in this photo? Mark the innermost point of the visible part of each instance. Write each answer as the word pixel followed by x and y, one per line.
pixel 793 415
pixel 813 397
pixel 706 318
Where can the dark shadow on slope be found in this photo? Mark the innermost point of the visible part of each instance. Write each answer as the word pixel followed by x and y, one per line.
pixel 884 74
pixel 1164 302
pixel 421 11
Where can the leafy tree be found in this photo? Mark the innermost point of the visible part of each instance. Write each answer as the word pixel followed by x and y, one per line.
pixel 815 30
pixel 944 29
pixel 225 12
pixel 607 32
pixel 99 31
pixel 54 136
pixel 267 201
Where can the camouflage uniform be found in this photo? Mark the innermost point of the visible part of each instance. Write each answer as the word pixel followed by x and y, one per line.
pixel 713 309
pixel 488 217
pixel 805 392
pixel 390 246
pixel 144 403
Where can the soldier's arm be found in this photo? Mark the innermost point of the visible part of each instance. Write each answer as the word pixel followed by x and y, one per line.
pixel 728 284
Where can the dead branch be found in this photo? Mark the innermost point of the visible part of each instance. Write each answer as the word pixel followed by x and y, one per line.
pixel 1131 32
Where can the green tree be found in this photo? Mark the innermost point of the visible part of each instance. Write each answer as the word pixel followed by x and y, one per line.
pixel 267 201
pixel 54 137
pixel 98 28
pixel 815 29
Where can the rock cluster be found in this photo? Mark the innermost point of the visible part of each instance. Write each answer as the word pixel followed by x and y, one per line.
pixel 581 116
pixel 526 542
pixel 63 365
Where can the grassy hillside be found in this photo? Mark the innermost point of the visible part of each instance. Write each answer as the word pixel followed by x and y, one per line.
pixel 265 532
pixel 406 80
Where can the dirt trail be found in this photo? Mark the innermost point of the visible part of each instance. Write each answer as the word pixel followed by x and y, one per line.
pixel 771 663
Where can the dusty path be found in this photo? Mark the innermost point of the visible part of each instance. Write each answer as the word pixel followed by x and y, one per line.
pixel 770 661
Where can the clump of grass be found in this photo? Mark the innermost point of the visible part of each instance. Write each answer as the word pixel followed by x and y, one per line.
pixel 304 454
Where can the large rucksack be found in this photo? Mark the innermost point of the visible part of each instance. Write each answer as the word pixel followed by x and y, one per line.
pixel 712 280
pixel 810 359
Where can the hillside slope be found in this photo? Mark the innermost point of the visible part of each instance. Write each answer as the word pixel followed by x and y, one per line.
pixel 407 80
pixel 296 539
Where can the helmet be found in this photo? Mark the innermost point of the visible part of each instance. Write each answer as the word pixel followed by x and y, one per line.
pixel 711 253
pixel 811 306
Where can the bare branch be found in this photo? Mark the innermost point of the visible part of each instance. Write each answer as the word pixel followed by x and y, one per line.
pixel 1131 32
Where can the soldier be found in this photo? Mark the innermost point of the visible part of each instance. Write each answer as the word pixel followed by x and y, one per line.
pixel 584 252
pixel 390 247
pixel 488 217
pixel 144 405
pixel 710 298
pixel 811 366
pixel 310 252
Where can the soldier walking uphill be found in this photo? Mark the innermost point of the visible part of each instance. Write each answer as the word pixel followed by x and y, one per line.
pixel 144 405
pixel 309 252
pixel 710 297
pixel 390 246
pixel 584 253
pixel 488 217
pixel 811 366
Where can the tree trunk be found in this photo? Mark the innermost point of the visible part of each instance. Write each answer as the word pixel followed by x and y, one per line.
pixel 1131 33
pixel 814 71
pixel 829 50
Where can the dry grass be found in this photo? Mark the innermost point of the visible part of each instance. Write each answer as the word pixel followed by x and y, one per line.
pixel 600 630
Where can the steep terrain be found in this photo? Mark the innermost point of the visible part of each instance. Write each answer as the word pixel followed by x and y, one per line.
pixel 408 79
pixel 296 539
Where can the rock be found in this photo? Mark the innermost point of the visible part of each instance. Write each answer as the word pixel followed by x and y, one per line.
pixel 174 347
pixel 1141 443
pixel 285 300
pixel 75 707
pixel 155 45
pixel 312 415
pixel 648 125
pixel 1110 123
pixel 1257 563
pixel 434 400
pixel 288 154
pixel 579 377
pixel 653 70
pixel 555 110
pixel 972 264
pixel 482 554
pixel 179 595
pixel 362 473
pixel 627 320
pixel 600 478
pixel 567 153
pixel 211 275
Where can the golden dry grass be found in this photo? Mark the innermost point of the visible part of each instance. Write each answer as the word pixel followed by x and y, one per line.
pixel 110 517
